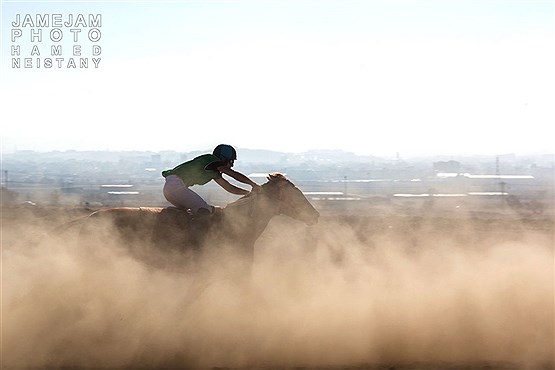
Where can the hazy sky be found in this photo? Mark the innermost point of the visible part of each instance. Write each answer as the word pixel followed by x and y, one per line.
pixel 372 77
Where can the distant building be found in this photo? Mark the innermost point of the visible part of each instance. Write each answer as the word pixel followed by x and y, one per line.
pixel 447 166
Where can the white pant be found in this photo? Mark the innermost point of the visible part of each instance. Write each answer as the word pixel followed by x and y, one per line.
pixel 181 196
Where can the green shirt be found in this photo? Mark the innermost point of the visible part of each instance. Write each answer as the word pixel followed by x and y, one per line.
pixel 197 171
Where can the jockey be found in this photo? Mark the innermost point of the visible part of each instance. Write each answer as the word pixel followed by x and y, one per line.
pixel 199 171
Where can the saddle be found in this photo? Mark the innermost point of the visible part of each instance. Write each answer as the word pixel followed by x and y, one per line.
pixel 176 215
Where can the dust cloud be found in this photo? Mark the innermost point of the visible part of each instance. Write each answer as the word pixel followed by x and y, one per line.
pixel 337 294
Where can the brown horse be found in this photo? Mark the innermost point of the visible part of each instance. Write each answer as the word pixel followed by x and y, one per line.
pixel 238 225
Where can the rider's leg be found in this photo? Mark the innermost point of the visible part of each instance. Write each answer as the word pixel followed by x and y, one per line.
pixel 181 196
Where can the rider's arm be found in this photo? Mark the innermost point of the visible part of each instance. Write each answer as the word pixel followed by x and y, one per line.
pixel 238 176
pixel 230 187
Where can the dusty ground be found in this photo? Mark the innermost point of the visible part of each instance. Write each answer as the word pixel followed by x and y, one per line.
pixel 367 289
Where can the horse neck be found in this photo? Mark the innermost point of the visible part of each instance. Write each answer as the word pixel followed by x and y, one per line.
pixel 248 217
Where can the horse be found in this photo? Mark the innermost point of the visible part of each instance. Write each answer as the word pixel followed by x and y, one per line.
pixel 237 226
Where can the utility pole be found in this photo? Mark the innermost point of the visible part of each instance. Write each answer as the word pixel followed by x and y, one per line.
pixel 501 182
pixel 6 179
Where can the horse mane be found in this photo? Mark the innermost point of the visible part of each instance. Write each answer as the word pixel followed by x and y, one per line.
pixel 274 180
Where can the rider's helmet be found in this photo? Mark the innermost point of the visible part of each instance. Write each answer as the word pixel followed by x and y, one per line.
pixel 225 152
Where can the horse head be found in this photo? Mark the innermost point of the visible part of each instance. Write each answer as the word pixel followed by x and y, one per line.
pixel 290 199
